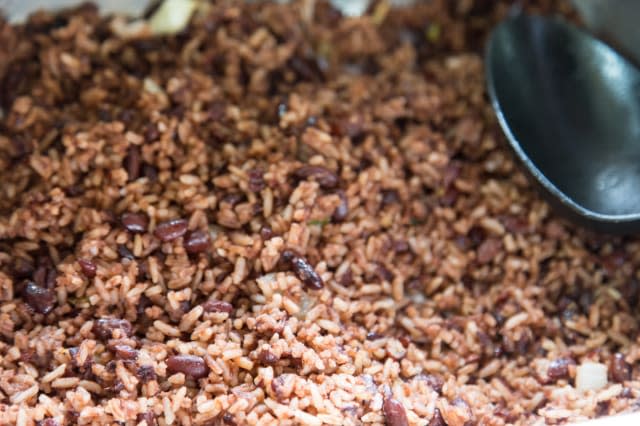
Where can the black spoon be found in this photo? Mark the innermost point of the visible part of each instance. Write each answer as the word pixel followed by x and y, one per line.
pixel 570 108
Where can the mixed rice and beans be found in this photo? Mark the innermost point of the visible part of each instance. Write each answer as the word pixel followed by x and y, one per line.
pixel 280 215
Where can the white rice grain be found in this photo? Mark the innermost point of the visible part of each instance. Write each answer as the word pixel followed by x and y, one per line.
pixel 20 397
pixel 54 374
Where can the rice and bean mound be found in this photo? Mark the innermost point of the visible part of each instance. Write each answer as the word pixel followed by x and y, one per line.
pixel 279 215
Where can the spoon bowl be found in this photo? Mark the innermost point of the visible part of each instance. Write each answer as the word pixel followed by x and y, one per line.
pixel 570 108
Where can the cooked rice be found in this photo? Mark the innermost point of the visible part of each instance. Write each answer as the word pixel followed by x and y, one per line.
pixel 324 227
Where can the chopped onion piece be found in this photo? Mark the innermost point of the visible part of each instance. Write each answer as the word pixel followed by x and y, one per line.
pixel 591 376
pixel 307 302
pixel 172 16
pixel 152 87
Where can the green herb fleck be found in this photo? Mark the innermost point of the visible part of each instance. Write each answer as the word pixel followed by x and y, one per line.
pixel 433 33
pixel 79 302
pixel 418 221
pixel 319 222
